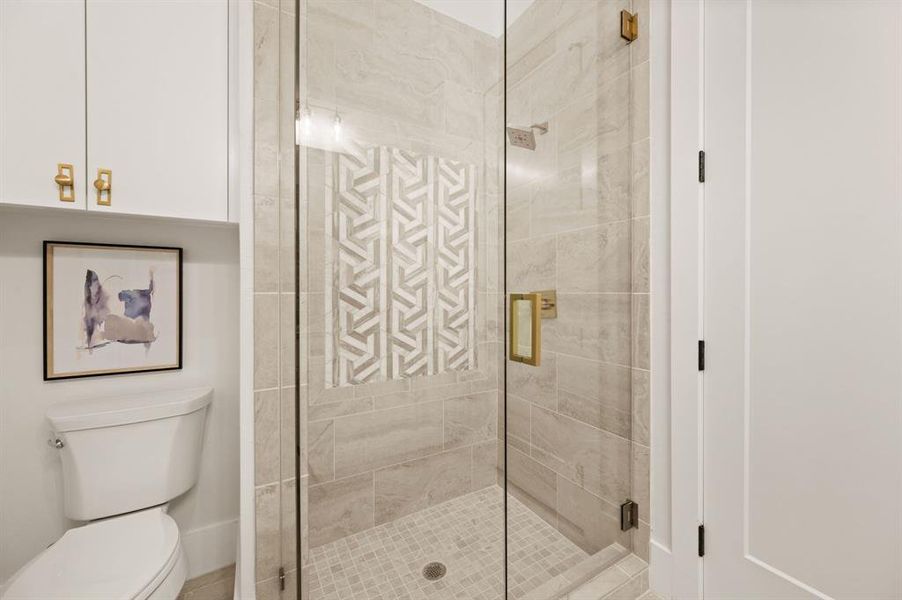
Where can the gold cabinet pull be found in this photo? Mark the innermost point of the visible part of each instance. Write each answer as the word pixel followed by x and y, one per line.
pixel 65 178
pixel 104 184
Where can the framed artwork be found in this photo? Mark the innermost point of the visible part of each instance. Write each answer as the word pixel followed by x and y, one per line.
pixel 111 309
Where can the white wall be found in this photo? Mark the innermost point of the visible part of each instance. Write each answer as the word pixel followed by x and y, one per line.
pixel 31 512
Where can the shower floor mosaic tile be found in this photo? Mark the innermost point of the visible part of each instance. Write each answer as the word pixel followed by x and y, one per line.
pixel 466 534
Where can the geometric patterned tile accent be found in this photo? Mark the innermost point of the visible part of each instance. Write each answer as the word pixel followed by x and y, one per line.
pixel 466 533
pixel 400 265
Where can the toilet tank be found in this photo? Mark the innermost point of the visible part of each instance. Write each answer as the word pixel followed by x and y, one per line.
pixel 125 453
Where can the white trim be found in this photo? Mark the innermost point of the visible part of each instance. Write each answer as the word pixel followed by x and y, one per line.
pixel 660 570
pixel 659 244
pixel 245 570
pixel 210 547
pixel 686 105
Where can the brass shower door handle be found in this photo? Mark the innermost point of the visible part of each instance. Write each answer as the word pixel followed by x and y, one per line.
pixel 104 184
pixel 526 328
pixel 65 179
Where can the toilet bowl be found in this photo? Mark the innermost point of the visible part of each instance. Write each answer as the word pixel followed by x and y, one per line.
pixel 123 459
pixel 136 557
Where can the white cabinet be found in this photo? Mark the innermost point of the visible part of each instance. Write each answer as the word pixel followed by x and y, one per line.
pixel 157 87
pixel 135 95
pixel 42 102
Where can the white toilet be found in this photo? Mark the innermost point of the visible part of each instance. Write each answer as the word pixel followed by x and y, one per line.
pixel 123 459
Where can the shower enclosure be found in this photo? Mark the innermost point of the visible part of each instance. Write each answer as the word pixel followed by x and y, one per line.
pixel 472 280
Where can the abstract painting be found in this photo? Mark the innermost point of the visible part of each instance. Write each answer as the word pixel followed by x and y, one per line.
pixel 111 309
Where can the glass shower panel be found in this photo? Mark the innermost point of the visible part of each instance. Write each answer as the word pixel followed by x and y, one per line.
pixel 400 134
pixel 568 232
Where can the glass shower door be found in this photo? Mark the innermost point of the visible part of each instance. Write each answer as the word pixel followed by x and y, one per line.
pixel 573 230
pixel 400 144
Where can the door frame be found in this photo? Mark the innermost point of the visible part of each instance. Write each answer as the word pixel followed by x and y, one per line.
pixel 683 577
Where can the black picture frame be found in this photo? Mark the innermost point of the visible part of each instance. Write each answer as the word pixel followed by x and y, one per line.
pixel 48 371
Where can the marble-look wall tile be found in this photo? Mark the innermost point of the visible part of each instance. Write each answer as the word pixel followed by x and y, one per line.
pixel 639 102
pixel 287 309
pixel 266 341
pixel 485 464
pixel 639 164
pixel 289 524
pixel 470 419
pixel 641 405
pixel 595 326
pixel 531 264
pixel 340 508
pixel 640 477
pixel 266 248
pixel 639 255
pixel 596 259
pixel 268 529
pixel 320 451
pixel 341 408
pixel 533 484
pixel 266 437
pixel 373 440
pixel 595 393
pixel 535 384
pixel 595 459
pixel 412 486
pixel 641 334
pixel 586 519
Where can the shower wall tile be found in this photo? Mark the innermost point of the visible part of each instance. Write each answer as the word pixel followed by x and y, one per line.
pixel 485 464
pixel 411 486
pixel 286 338
pixel 595 393
pixel 641 335
pixel 596 259
pixel 586 519
pixel 268 555
pixel 641 405
pixel 640 475
pixel 266 341
pixel 639 107
pixel 595 459
pixel 289 524
pixel 470 419
pixel 266 437
pixel 320 451
pixel 531 264
pixel 591 325
pixel 535 384
pixel 266 248
pixel 639 255
pixel 373 440
pixel 534 484
pixel 640 178
pixel 341 408
pixel 340 508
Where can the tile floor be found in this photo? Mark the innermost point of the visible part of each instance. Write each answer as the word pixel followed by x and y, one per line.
pixel 466 534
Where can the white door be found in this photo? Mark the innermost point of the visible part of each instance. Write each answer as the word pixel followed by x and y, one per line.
pixel 803 299
pixel 157 87
pixel 42 102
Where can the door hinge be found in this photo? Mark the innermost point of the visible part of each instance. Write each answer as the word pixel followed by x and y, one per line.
pixel 701 540
pixel 701 355
pixel 629 516
pixel 701 166
pixel 282 578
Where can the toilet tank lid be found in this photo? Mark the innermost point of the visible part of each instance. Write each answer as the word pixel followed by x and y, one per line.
pixel 91 413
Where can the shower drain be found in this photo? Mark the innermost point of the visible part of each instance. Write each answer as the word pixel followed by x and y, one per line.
pixel 434 570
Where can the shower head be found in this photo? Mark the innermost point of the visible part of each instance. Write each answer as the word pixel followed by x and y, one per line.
pixel 525 137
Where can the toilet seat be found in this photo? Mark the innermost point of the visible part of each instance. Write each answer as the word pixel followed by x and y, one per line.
pixel 125 557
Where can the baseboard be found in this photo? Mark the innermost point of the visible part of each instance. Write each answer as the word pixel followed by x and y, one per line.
pixel 660 564
pixel 210 547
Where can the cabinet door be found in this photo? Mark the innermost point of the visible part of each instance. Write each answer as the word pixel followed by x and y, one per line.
pixel 42 101
pixel 157 88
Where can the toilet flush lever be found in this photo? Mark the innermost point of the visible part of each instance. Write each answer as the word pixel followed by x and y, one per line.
pixel 56 443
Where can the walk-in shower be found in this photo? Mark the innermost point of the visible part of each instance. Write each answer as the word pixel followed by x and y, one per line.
pixel 435 462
